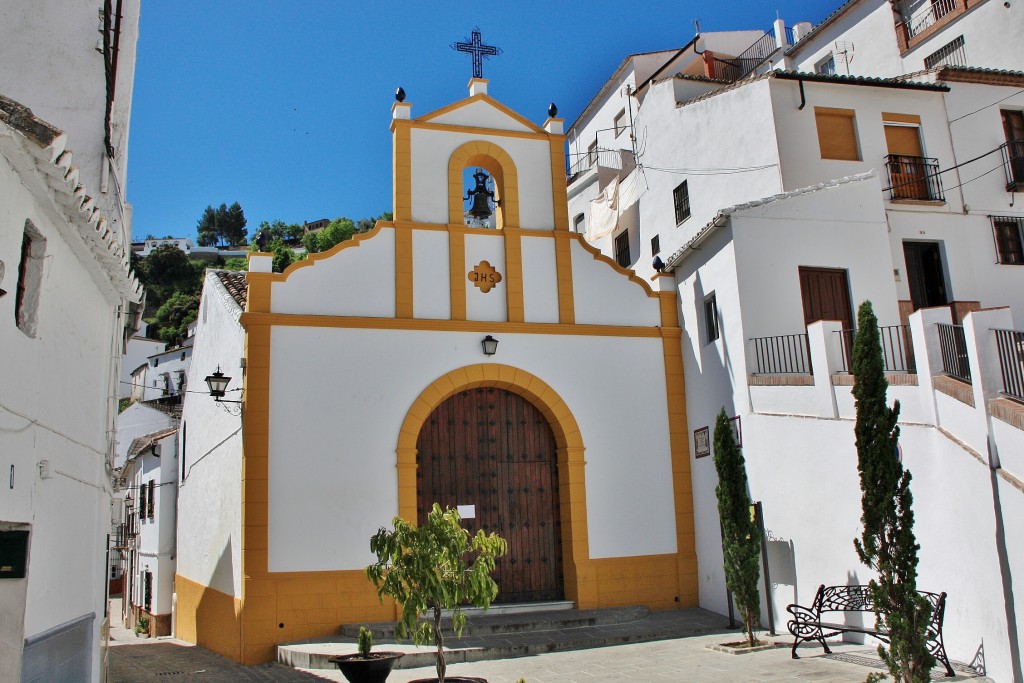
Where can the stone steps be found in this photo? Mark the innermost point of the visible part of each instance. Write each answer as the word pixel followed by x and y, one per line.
pixel 507 635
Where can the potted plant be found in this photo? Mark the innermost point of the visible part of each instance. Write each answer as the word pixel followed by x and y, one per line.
pixel 142 627
pixel 366 666
pixel 433 567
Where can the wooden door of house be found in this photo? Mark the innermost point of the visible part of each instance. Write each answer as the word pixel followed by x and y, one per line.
pixel 907 166
pixel 925 274
pixel 493 450
pixel 826 295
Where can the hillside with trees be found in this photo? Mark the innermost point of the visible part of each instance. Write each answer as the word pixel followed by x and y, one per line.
pixel 174 282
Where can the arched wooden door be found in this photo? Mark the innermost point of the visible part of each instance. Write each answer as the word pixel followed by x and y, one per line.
pixel 493 450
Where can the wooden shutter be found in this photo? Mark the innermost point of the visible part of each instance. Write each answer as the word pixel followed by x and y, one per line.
pixel 904 140
pixel 837 133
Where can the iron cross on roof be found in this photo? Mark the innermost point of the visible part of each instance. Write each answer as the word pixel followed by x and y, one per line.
pixel 475 46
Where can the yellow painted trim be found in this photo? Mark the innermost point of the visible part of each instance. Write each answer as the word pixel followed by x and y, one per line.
pixel 208 618
pixel 679 446
pixel 250 320
pixel 503 170
pixel 475 131
pixel 403 273
pixel 568 439
pixel 483 97
pixel 598 256
pixel 564 279
pixel 559 190
pixel 515 308
pixel 456 273
pixel 888 117
pixel 402 171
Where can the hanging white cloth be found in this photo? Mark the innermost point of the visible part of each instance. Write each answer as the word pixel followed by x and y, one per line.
pixel 604 215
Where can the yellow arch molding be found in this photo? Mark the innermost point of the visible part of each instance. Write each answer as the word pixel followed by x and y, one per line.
pixel 501 167
pixel 580 584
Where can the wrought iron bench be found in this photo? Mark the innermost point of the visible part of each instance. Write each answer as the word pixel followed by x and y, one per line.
pixel 808 624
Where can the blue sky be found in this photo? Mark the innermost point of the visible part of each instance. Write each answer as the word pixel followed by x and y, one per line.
pixel 285 107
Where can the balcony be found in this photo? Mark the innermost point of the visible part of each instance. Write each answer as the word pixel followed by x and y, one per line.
pixel 786 354
pixel 1010 345
pixel 918 17
pixel 953 349
pixel 1013 165
pixel 897 349
pixel 618 162
pixel 736 68
pixel 914 178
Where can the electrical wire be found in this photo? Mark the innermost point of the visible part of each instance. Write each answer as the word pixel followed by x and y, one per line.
pixel 1014 94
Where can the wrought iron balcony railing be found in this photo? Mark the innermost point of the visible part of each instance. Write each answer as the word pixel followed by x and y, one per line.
pixel 918 18
pixel 953 346
pixel 787 354
pixel 914 177
pixel 897 349
pixel 1011 362
pixel 1013 164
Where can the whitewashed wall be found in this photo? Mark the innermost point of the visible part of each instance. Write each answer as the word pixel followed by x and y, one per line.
pixel 155 542
pixel 138 351
pixel 138 420
pixel 51 65
pixel 210 495
pixel 869 27
pixel 334 426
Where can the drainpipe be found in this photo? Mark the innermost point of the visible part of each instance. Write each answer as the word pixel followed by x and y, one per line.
pixel 803 98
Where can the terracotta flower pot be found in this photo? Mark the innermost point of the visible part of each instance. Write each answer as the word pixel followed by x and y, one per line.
pixel 373 669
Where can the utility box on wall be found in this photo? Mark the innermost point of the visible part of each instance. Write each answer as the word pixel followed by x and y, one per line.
pixel 13 554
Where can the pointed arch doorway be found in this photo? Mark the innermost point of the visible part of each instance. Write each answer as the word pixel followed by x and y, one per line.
pixel 494 453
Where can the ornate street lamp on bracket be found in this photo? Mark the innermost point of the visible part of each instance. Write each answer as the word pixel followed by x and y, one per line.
pixel 218 384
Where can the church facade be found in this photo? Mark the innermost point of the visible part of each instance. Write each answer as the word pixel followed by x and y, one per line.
pixel 368 393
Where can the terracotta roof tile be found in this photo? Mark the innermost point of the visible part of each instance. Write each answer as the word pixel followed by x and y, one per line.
pixel 235 283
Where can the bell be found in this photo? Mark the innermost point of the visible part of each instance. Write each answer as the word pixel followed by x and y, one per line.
pixel 480 209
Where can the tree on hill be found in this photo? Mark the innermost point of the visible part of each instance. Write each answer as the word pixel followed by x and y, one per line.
pixel 887 543
pixel 222 226
pixel 173 317
pixel 337 231
pixel 165 271
pixel 278 229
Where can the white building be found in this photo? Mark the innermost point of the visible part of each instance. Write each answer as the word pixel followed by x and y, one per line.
pixel 166 373
pixel 782 201
pixel 149 477
pixel 342 393
pixel 137 353
pixel 67 283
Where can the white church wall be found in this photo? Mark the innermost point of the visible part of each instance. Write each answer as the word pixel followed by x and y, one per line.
pixel 540 280
pixel 430 151
pixel 481 114
pixel 489 305
pixel 210 460
pixel 608 299
pixel 338 497
pixel 431 279
pixel 302 293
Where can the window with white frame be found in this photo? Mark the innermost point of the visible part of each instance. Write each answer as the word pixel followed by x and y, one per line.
pixel 579 223
pixel 826 66
pixel 592 154
pixel 1007 232
pixel 620 122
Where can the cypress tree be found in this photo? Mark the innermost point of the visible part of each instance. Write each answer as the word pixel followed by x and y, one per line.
pixel 887 543
pixel 740 543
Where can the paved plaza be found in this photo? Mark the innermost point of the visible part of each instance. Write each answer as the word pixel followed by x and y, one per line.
pixel 685 659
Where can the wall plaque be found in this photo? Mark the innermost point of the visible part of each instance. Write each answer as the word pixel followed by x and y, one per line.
pixel 484 276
